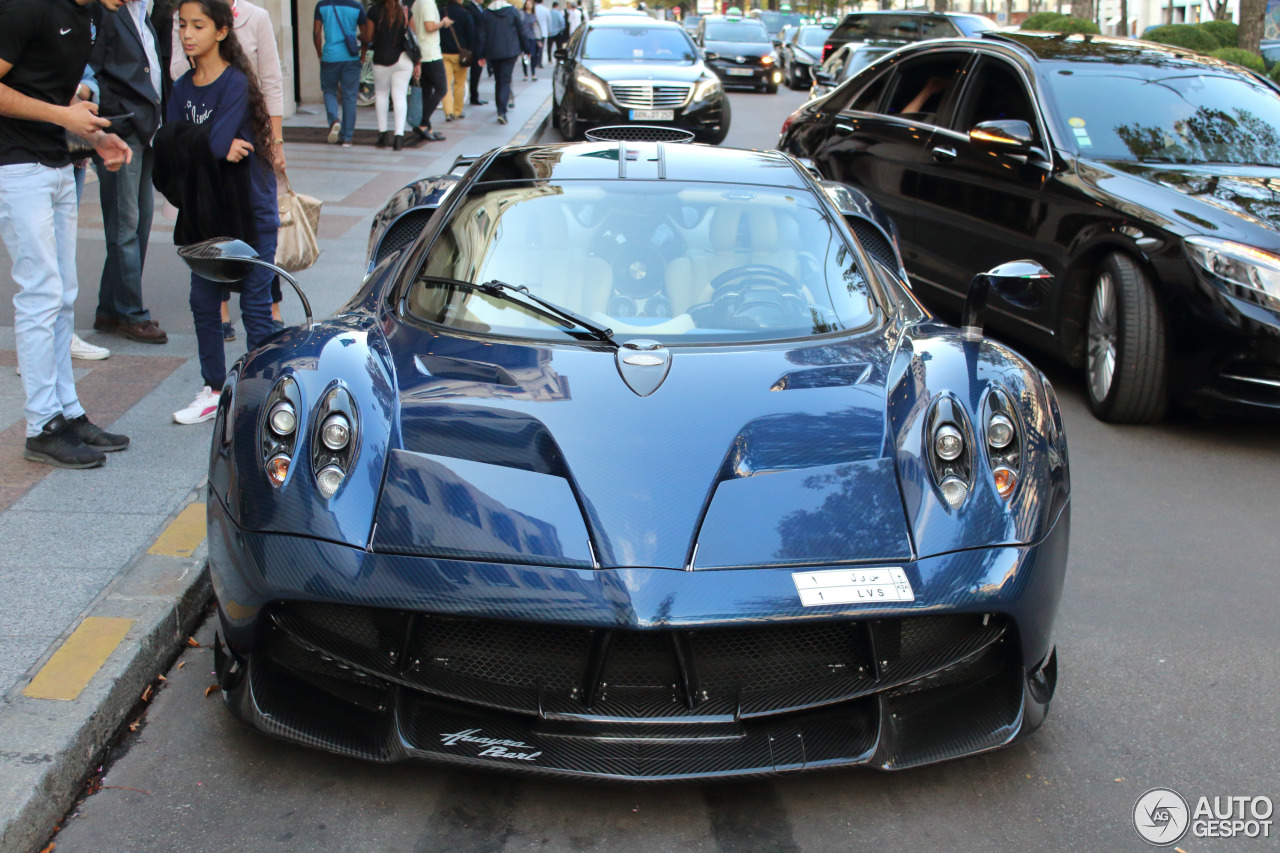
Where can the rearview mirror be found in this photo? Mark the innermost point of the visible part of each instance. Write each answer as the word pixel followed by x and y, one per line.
pixel 710 56
pixel 1003 134
pixel 228 262
pixel 1020 283
pixel 561 54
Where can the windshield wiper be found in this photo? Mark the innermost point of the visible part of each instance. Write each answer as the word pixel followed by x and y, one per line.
pixel 521 293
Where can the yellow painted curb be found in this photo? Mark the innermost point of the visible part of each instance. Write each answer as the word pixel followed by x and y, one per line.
pixel 72 666
pixel 183 535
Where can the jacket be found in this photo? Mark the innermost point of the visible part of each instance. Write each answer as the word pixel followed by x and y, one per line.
pixel 504 32
pixel 257 38
pixel 123 71
pixel 463 31
pixel 214 197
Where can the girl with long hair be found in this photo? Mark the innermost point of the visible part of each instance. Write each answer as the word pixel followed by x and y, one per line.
pixel 389 20
pixel 222 94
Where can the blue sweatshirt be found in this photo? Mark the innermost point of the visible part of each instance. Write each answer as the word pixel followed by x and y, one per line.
pixel 224 104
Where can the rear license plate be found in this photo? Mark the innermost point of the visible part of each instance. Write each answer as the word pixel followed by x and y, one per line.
pixel 653 115
pixel 852 586
pixel 739 72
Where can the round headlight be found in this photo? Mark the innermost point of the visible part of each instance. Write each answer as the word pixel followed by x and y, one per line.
pixel 999 431
pixel 328 480
pixel 948 443
pixel 278 469
pixel 283 419
pixel 336 432
pixel 955 491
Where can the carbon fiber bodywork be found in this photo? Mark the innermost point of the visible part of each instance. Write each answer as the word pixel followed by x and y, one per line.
pixel 529 565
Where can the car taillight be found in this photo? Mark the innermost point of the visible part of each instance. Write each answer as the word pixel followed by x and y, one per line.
pixel 786 123
pixel 826 50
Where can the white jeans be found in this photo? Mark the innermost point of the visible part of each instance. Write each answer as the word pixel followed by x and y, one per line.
pixel 38 224
pixel 393 81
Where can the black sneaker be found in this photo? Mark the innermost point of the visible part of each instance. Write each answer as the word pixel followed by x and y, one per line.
pixel 228 332
pixel 95 436
pixel 58 444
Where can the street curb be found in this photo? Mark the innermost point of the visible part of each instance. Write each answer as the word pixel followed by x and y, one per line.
pixel 534 127
pixel 48 746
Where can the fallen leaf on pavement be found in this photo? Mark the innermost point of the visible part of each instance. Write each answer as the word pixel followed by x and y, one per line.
pixel 146 694
pixel 191 641
pixel 210 689
pixel 181 664
pixel 49 849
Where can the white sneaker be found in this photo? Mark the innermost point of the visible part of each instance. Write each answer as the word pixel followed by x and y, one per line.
pixel 86 350
pixel 202 408
pixel 334 131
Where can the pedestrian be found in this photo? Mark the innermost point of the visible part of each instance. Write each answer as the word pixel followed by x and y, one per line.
pixel 543 13
pixel 427 27
pixel 161 17
pixel 477 67
pixel 530 61
pixel 256 35
pixel 457 44
pixel 336 35
pixel 392 67
pixel 574 15
pixel 126 63
pixel 220 97
pixel 44 47
pixel 555 30
pixel 504 41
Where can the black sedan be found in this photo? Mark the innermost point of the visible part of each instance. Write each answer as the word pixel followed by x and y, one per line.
pixel 904 25
pixel 740 51
pixel 621 69
pixel 1144 177
pixel 800 53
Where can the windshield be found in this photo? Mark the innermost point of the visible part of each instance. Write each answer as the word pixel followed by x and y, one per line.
pixel 971 25
pixel 749 32
pixel 1176 114
pixel 660 43
pixel 775 21
pixel 813 36
pixel 680 263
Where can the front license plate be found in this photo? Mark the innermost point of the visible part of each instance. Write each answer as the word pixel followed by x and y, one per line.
pixel 739 72
pixel 852 586
pixel 653 115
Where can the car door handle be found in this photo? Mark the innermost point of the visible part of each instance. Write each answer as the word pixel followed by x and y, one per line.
pixel 847 128
pixel 944 155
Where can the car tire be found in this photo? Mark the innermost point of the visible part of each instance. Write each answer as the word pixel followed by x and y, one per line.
pixel 793 80
pixel 726 116
pixel 1126 345
pixel 771 89
pixel 567 122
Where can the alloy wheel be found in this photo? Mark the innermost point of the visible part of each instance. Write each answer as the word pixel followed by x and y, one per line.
pixel 1102 337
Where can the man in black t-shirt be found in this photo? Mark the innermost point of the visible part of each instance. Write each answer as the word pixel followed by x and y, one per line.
pixel 44 46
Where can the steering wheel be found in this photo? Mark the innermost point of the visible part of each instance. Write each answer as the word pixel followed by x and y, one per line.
pixel 722 281
pixel 777 301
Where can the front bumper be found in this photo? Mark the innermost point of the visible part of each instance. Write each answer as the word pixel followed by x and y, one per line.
pixel 360 654
pixel 733 74
pixel 701 117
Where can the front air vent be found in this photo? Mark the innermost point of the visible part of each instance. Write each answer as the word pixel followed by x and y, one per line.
pixel 402 233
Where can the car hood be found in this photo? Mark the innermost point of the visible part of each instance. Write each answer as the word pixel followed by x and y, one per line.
pixel 729 49
pixel 1240 203
pixel 743 456
pixel 611 69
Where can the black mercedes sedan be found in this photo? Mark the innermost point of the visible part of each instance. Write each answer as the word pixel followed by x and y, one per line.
pixel 623 69
pixel 801 52
pixel 740 51
pixel 1144 177
pixel 904 25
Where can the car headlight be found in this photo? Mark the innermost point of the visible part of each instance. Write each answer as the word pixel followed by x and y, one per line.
pixel 1256 271
pixel 707 87
pixel 767 60
pixel 590 84
pixel 336 440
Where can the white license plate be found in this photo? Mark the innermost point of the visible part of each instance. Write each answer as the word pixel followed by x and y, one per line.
pixel 653 115
pixel 739 72
pixel 852 586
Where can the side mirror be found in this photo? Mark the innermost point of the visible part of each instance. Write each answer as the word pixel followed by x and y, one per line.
pixel 561 54
pixel 710 56
pixel 228 262
pixel 822 78
pixel 1013 135
pixel 1020 283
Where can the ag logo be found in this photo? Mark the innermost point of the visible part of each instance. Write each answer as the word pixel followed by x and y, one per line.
pixel 1161 817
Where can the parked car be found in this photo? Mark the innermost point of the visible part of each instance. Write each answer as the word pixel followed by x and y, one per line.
pixel 620 69
pixel 904 26
pixel 1139 174
pixel 690 23
pixel 775 21
pixel 659 446
pixel 800 53
pixel 846 62
pixel 740 51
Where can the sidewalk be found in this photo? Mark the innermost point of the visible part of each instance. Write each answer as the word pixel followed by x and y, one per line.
pixel 101 571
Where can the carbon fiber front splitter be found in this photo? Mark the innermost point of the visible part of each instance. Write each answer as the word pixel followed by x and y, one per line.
pixel 894 730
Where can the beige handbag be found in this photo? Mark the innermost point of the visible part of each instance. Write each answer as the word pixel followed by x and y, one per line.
pixel 297 245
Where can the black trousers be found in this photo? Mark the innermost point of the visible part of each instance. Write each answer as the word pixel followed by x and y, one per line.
pixel 476 73
pixel 434 86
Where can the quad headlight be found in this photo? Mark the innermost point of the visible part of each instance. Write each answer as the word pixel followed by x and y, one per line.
pixel 283 418
pixel 335 442
pixel 336 431
pixel 590 84
pixel 1256 271
pixel 706 88
pixel 948 443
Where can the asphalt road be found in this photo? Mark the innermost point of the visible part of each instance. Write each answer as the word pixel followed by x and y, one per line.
pixel 1166 638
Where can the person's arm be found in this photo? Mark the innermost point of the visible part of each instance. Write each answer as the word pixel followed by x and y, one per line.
pixel 229 113
pixel 88 89
pixel 317 34
pixel 271 80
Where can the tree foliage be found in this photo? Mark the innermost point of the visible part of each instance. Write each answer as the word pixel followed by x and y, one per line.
pixel 1240 56
pixel 1041 20
pixel 1190 36
pixel 1224 31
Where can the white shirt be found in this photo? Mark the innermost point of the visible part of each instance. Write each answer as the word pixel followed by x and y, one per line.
pixel 575 18
pixel 543 14
pixel 138 12
pixel 429 43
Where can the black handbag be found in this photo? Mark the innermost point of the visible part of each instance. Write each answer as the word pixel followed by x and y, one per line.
pixel 411 45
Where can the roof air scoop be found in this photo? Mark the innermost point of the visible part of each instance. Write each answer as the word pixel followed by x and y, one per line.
pixel 643 365
pixel 638 133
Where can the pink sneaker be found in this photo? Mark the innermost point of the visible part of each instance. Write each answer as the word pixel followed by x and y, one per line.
pixel 202 408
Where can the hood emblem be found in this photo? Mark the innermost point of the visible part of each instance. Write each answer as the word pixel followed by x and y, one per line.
pixel 643 365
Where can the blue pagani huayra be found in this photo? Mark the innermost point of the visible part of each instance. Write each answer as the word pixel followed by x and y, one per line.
pixel 637 460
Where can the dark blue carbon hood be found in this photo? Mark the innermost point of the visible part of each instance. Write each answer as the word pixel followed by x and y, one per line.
pixel 542 454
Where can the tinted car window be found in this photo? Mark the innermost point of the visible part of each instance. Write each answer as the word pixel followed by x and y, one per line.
pixel 749 32
pixel 868 100
pixel 997 92
pixel 660 43
pixel 971 25
pixel 900 27
pixel 639 257
pixel 1170 113
pixel 812 36
pixel 924 85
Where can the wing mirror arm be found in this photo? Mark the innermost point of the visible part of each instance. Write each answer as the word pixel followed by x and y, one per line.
pixel 226 261
pixel 1020 283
